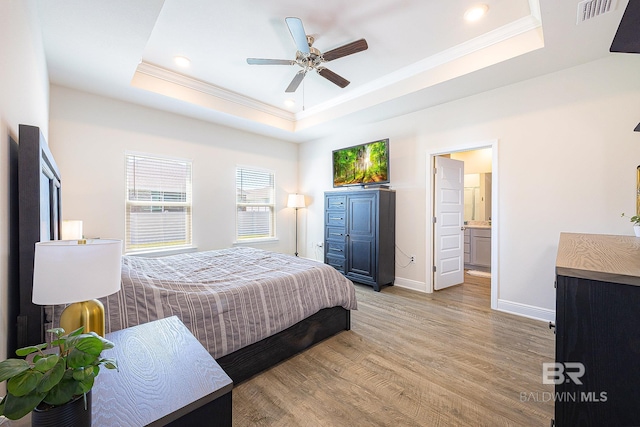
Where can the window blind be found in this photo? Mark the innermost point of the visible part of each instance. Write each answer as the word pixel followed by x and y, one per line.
pixel 255 204
pixel 158 203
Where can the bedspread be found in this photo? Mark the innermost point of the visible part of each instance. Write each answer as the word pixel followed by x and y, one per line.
pixel 227 298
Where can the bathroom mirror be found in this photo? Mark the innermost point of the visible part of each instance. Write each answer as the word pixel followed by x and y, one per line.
pixel 477 197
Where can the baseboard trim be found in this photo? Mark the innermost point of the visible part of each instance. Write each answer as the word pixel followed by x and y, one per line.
pixel 519 309
pixel 526 310
pixel 410 284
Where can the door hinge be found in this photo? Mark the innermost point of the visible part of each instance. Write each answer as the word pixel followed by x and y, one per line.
pixel 434 268
pixel 435 219
pixel 435 171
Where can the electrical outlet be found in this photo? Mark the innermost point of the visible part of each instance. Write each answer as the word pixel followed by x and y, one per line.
pixel 412 259
pixel 320 244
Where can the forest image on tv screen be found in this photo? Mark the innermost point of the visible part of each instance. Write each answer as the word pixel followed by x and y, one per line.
pixel 362 164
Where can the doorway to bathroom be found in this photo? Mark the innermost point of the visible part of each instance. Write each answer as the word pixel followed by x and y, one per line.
pixel 477 210
pixel 463 240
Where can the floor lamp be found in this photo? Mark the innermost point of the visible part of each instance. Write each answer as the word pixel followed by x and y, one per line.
pixel 296 201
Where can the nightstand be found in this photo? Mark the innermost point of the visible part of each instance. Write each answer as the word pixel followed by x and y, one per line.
pixel 165 377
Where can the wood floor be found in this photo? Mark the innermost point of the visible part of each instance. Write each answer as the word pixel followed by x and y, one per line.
pixel 411 359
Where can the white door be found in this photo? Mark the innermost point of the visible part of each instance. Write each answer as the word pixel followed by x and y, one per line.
pixel 448 228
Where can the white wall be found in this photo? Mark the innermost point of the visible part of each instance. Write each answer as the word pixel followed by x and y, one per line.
pixel 567 162
pixel 89 135
pixel 24 99
pixel 475 161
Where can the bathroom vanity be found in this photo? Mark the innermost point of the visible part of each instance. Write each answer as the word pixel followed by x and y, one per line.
pixel 477 247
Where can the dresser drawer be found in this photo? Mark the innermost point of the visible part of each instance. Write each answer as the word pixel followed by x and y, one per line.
pixel 336 234
pixel 335 218
pixel 335 248
pixel 336 202
pixel 336 262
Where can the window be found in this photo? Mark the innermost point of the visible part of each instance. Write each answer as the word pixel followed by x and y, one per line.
pixel 158 203
pixel 255 204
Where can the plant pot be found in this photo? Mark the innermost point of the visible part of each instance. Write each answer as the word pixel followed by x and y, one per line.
pixel 70 414
pixel 636 229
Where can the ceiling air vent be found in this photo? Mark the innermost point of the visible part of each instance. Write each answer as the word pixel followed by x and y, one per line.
pixel 591 8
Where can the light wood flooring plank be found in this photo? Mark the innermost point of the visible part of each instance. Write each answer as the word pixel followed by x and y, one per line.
pixel 411 359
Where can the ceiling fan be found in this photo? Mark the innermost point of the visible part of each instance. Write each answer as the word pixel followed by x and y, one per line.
pixel 309 58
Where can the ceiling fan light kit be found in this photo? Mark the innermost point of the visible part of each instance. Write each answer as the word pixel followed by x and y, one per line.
pixel 310 58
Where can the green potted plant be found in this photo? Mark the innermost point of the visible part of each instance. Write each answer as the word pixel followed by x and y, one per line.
pixel 53 378
pixel 636 223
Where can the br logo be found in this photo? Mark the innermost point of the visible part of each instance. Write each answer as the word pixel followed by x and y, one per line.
pixel 560 373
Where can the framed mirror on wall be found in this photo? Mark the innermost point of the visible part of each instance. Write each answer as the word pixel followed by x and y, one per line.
pixel 477 197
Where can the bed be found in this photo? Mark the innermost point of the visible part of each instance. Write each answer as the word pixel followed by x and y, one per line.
pixel 229 299
pixel 250 308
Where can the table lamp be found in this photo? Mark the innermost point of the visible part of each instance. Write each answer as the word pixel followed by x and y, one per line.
pixel 77 272
pixel 71 229
pixel 296 201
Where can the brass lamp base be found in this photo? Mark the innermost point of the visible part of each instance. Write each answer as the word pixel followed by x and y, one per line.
pixel 89 314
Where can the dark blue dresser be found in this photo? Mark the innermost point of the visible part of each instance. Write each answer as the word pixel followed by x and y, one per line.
pixel 360 234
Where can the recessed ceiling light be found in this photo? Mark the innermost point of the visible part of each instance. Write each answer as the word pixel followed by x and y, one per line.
pixel 476 12
pixel 181 61
pixel 289 102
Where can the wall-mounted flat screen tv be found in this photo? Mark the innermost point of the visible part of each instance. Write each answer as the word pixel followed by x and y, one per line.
pixel 364 164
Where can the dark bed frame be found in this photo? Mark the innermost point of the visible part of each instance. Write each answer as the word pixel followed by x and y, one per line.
pixel 39 212
pixel 40 219
pixel 255 358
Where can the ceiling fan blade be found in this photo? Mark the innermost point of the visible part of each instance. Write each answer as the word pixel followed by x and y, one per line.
pixel 297 32
pixel 333 77
pixel 297 79
pixel 261 61
pixel 347 49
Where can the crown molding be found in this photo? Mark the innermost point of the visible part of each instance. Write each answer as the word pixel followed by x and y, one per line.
pixel 212 90
pixel 532 22
pixel 506 32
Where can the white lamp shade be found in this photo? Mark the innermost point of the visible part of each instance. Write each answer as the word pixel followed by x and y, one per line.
pixel 67 271
pixel 71 229
pixel 296 201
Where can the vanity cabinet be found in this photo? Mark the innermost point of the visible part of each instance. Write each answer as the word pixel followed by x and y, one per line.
pixel 360 235
pixel 477 247
pixel 481 247
pixel 467 246
pixel 597 330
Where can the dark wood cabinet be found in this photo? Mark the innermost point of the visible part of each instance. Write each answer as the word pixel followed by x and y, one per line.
pixel 597 372
pixel 360 235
